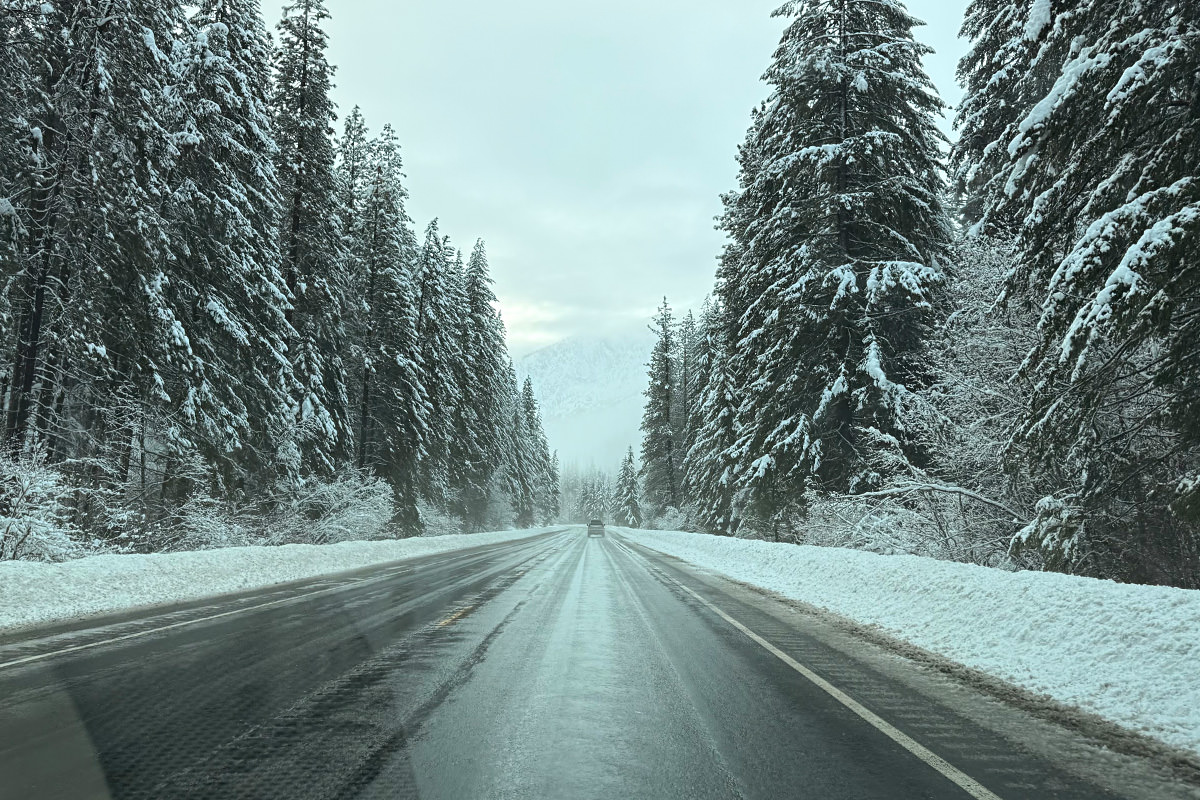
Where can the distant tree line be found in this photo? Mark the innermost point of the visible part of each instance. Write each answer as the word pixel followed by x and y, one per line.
pixel 211 309
pixel 993 357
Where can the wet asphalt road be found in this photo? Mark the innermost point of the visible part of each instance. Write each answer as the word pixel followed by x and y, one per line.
pixel 553 667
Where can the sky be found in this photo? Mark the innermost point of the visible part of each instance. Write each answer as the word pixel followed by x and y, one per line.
pixel 587 143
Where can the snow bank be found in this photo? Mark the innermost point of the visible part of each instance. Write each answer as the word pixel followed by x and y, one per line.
pixel 35 593
pixel 1130 654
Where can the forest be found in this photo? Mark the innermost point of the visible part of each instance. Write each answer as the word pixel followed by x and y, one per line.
pixel 985 350
pixel 218 324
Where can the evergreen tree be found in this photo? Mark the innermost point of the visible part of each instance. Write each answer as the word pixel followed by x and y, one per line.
pixel 659 458
pixel 1004 36
pixel 545 485
pixel 437 326
pixel 627 510
pixel 838 234
pixel 93 323
pixel 520 473
pixel 227 285
pixel 686 389
pixel 711 462
pixel 353 167
pixel 481 418
pixel 552 508
pixel 1098 170
pixel 311 240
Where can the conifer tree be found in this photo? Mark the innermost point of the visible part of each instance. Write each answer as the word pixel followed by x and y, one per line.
pixel 684 413
pixel 1098 171
pixel 94 324
pixel 437 332
pixel 838 236
pixel 710 464
pixel 659 458
pixel 311 240
pixel 353 157
pixel 627 510
pixel 227 284
pixel 483 351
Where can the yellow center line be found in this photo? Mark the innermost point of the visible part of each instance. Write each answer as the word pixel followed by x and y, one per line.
pixel 457 615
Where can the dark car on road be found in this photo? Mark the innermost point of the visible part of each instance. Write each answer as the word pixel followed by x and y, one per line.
pixel 595 528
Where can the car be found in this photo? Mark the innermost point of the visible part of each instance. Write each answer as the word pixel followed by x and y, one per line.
pixel 595 528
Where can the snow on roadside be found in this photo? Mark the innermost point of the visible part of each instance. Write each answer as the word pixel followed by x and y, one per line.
pixel 36 593
pixel 1130 654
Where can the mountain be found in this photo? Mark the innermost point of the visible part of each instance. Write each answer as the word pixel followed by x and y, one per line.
pixel 590 389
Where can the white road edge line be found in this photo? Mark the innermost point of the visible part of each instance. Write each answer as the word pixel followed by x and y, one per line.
pixel 948 770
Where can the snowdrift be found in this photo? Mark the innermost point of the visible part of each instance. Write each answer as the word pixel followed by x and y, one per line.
pixel 35 593
pixel 1130 654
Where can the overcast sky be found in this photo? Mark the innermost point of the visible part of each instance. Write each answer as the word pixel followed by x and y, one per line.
pixel 587 143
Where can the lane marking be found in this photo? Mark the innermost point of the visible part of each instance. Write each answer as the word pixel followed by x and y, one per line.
pixel 137 634
pixel 457 615
pixel 947 770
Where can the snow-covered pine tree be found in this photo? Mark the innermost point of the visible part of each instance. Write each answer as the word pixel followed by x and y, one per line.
pixel 227 285
pixel 353 166
pixel 627 509
pixel 839 230
pixel 660 467
pixel 438 324
pixel 710 464
pixel 519 457
pixel 995 72
pixel 22 31
pixel 484 353
pixel 1101 171
pixel 393 411
pixel 686 383
pixel 545 485
pixel 552 507
pixel 310 232
pixel 96 326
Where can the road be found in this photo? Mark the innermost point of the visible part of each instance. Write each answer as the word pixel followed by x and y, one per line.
pixel 551 667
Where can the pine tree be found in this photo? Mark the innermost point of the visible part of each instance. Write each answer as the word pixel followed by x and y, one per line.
pixel 544 483
pixel 686 388
pixel 227 285
pixel 552 508
pixel 437 326
pixel 481 378
pixel 838 235
pixel 1098 169
pixel 711 462
pixel 311 241
pixel 627 510
pixel 520 474
pixel 1004 36
pixel 659 459
pixel 94 324
pixel 353 168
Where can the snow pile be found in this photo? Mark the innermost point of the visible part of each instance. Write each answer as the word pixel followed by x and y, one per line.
pixel 1130 654
pixel 36 593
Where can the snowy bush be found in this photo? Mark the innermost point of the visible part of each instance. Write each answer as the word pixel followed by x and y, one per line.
pixel 353 507
pixel 918 519
pixel 205 524
pixel 34 522
pixel 435 522
pixel 672 519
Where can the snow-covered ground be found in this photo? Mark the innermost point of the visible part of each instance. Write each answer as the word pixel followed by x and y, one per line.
pixel 1130 654
pixel 35 593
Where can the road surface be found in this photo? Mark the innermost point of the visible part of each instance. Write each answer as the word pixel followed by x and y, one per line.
pixel 552 667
